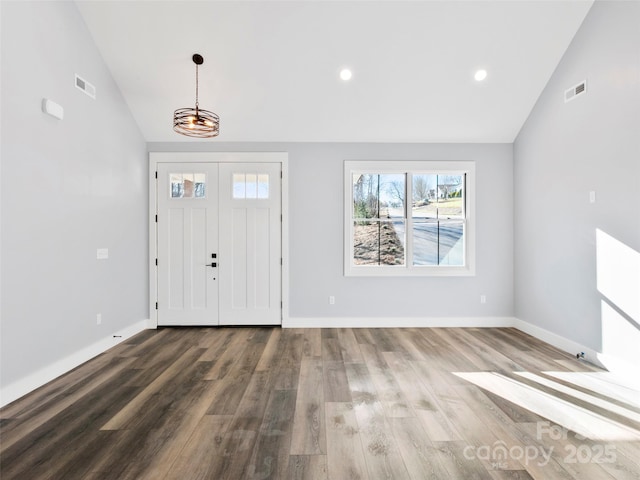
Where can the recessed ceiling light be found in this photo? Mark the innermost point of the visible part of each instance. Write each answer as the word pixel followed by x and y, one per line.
pixel 345 74
pixel 480 75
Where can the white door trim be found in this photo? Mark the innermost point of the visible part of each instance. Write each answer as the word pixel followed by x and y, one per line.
pixel 215 157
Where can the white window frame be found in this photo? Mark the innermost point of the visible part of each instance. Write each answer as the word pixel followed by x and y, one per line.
pixel 467 168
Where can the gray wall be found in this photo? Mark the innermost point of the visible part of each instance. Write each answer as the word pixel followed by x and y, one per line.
pixel 563 152
pixel 68 188
pixel 316 233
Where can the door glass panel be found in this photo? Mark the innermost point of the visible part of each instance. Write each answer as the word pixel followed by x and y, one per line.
pixel 187 181
pixel 252 185
pixel 187 185
pixel 177 188
pixel 263 186
pixel 239 185
pixel 199 185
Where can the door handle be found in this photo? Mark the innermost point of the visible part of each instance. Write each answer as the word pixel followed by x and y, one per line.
pixel 212 265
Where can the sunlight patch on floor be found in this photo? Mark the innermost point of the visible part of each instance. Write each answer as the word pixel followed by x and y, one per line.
pixel 580 395
pixel 580 420
pixel 624 390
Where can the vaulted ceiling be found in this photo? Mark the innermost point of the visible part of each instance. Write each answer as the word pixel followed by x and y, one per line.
pixel 271 68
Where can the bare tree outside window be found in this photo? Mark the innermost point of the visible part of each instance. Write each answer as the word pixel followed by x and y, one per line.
pixel 376 199
pixel 420 189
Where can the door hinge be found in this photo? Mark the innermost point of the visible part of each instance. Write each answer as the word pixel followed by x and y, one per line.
pixel 156 174
pixel 156 262
pixel 156 218
pixel 281 262
pixel 156 305
pixel 280 173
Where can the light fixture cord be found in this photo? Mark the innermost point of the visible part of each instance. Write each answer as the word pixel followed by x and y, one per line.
pixel 196 87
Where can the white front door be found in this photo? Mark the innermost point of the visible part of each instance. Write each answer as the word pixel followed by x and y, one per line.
pixel 187 226
pixel 219 242
pixel 250 244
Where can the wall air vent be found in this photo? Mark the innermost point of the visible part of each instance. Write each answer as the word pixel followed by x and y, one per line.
pixel 86 87
pixel 574 91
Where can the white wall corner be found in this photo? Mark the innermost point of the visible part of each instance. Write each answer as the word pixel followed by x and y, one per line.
pixel 21 387
pixel 397 322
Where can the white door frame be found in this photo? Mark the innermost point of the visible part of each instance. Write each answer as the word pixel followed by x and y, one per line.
pixel 214 157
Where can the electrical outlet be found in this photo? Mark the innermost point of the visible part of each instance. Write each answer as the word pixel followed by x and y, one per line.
pixel 98 319
pixel 332 300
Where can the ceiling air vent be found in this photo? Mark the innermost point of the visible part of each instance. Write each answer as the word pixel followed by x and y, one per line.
pixel 574 91
pixel 85 86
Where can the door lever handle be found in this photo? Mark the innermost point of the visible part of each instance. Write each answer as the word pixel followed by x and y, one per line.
pixel 212 265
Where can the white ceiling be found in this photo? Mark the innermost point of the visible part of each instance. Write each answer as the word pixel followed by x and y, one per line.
pixel 271 67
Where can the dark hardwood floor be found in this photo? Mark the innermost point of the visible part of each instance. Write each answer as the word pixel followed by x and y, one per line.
pixel 267 403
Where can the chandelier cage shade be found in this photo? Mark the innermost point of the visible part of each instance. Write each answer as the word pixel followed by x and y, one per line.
pixel 196 122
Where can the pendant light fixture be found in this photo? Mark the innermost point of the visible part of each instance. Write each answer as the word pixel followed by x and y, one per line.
pixel 196 122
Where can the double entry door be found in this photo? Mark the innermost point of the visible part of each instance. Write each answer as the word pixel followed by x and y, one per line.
pixel 219 243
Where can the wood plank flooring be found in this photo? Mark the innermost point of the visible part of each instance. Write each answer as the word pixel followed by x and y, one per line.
pixel 326 404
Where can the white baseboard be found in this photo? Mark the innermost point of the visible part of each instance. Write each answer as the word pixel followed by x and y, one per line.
pixel 556 340
pixel 608 362
pixel 19 388
pixel 23 386
pixel 396 322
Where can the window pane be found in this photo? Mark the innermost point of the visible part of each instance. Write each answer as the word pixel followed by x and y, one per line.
pixel 392 195
pixel 438 243
pixel 425 243
pixel 252 185
pixel 378 195
pixel 239 185
pixel 437 196
pixel 450 196
pixel 452 243
pixel 365 195
pixel 378 243
pixel 263 186
pixel 425 196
